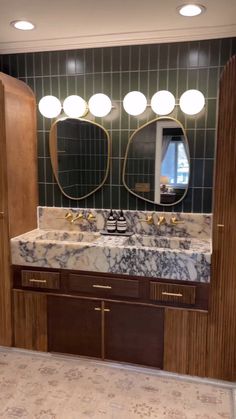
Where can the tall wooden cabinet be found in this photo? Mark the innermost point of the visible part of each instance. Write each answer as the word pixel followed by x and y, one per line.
pixel 222 305
pixel 18 181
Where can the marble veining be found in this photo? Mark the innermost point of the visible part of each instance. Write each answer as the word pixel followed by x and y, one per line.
pixel 194 225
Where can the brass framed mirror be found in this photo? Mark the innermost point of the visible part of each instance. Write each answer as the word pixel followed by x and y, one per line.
pixel 80 156
pixel 157 163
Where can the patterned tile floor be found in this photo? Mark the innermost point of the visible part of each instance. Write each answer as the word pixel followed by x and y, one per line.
pixel 46 386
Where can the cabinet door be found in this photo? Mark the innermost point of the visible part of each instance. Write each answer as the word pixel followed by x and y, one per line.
pixel 134 333
pixel 74 326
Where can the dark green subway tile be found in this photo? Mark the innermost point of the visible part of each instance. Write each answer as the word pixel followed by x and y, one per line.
pixel 45 63
pixel 197 200
pixel 21 64
pixel 213 82
pixel 63 87
pixel 98 60
pixel 99 86
pixel 46 85
pixel 116 59
pixel 211 114
pixel 89 63
pixel 62 63
pixel 116 85
pixel 200 144
pixel 125 58
pixel 204 53
pixel 183 55
pixel 208 173
pixel 164 56
pixel 203 74
pixel 192 79
pixel 106 84
pixel 153 83
pixel 70 63
pixel 162 80
pixel 29 64
pixel 182 82
pixel 173 56
pixel 143 83
pixel 193 54
pixel 80 85
pixel 225 50
pixel 134 57
pixel 198 173
pixel 107 67
pixel 42 196
pixel 79 62
pixel 172 81
pixel 54 61
pixel 214 52
pixel 154 57
pixel 210 144
pixel 144 57
pixel 88 86
pixel 207 200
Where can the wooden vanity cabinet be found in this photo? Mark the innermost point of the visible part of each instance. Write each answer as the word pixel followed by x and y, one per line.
pixel 111 317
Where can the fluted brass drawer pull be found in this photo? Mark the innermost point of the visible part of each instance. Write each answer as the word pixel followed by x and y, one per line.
pixel 97 308
pixel 107 287
pixel 42 281
pixel 107 309
pixel 172 294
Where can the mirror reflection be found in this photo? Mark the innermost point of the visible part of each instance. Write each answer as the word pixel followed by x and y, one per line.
pixel 156 166
pixel 80 154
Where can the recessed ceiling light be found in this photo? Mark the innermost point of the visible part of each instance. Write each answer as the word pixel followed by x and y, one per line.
pixel 23 25
pixel 191 10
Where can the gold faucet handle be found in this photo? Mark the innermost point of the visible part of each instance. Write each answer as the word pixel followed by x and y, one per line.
pixel 69 217
pixel 174 221
pixel 149 219
pixel 161 220
pixel 78 217
pixel 91 217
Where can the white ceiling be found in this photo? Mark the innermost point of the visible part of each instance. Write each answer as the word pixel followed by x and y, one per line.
pixel 68 24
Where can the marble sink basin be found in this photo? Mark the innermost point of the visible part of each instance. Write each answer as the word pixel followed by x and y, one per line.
pixel 68 236
pixel 170 243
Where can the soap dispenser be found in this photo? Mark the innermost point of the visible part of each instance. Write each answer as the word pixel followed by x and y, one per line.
pixel 121 223
pixel 111 223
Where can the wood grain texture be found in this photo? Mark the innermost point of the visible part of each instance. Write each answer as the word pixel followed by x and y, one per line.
pixel 18 185
pixel 182 294
pixel 185 341
pixel 30 320
pixel 37 279
pixel 21 155
pixel 222 303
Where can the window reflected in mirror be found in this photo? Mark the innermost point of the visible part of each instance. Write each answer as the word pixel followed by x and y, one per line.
pixel 156 166
pixel 80 154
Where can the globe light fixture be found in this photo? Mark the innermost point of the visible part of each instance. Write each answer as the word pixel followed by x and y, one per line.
pixel 100 105
pixel 75 106
pixel 163 102
pixel 192 102
pixel 49 106
pixel 134 103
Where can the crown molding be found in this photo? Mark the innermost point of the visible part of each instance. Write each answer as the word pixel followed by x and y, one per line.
pixel 119 39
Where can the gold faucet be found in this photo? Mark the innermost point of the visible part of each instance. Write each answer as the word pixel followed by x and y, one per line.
pixel 69 217
pixel 161 220
pixel 174 221
pixel 149 219
pixel 91 217
pixel 79 216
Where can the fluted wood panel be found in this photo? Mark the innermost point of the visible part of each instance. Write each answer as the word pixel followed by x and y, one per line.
pixel 18 184
pixel 30 320
pixel 185 341
pixel 222 307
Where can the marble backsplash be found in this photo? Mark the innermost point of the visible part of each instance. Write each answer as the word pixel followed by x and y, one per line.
pixel 193 225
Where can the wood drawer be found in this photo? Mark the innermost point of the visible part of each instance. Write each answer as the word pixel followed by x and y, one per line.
pixel 173 293
pixel 112 287
pixel 39 279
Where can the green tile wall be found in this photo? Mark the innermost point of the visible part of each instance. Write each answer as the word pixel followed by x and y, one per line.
pixel 115 71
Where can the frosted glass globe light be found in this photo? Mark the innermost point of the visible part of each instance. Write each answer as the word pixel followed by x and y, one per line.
pixel 134 103
pixel 163 102
pixel 192 102
pixel 74 106
pixel 100 105
pixel 50 106
pixel 190 10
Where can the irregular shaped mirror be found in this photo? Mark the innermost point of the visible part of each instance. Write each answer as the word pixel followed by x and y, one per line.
pixel 80 156
pixel 157 163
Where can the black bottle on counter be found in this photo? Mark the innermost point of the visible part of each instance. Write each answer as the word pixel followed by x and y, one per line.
pixel 111 223
pixel 121 223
